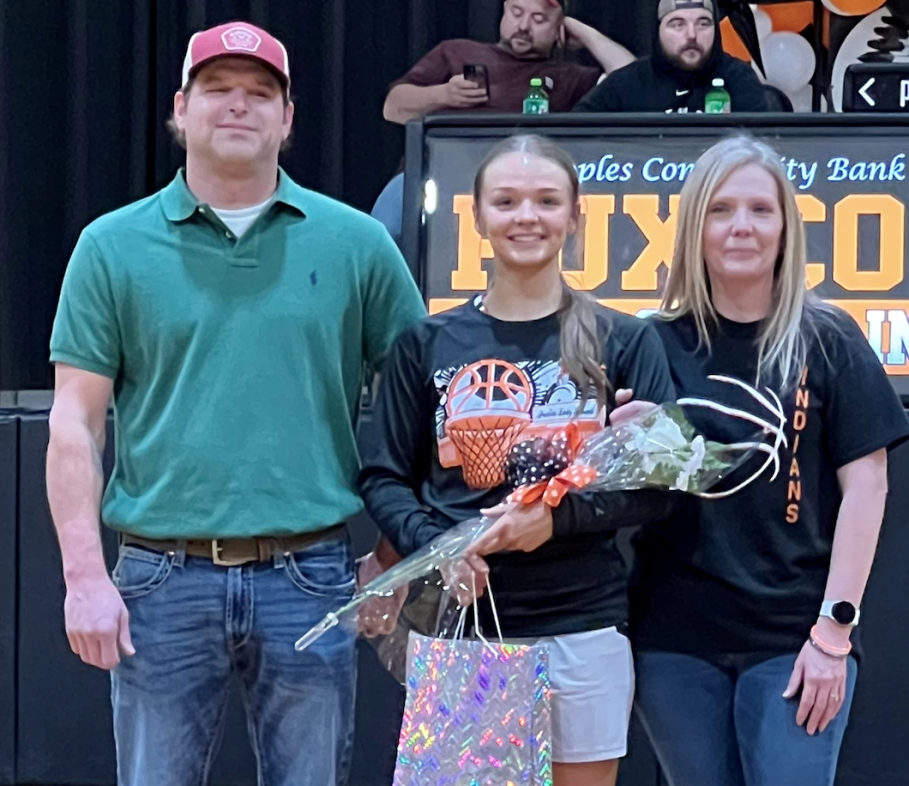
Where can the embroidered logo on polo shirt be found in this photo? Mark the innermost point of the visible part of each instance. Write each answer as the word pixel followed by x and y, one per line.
pixel 240 39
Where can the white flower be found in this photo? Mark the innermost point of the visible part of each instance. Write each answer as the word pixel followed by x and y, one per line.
pixel 698 451
pixel 694 463
pixel 663 436
pixel 638 437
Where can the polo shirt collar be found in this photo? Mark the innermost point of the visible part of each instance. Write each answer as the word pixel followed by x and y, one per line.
pixel 290 194
pixel 179 203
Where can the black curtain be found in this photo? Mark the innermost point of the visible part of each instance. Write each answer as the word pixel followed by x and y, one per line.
pixel 87 85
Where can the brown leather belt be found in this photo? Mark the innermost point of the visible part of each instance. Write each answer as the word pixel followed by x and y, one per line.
pixel 232 552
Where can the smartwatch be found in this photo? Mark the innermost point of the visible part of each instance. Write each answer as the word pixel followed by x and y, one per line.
pixel 841 612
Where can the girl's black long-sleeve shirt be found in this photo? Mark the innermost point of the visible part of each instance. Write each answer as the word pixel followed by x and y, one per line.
pixel 462 388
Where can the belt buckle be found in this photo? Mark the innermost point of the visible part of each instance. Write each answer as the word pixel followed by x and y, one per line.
pixel 224 563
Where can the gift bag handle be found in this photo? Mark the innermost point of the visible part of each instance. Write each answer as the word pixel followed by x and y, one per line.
pixel 492 604
pixel 459 628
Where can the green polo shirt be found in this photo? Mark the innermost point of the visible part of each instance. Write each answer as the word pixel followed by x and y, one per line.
pixel 237 363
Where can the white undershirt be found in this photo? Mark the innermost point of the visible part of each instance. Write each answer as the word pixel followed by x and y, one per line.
pixel 238 221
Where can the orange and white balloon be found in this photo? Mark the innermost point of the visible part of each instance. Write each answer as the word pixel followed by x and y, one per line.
pixel 789 61
pixel 790 17
pixel 853 7
pixel 762 22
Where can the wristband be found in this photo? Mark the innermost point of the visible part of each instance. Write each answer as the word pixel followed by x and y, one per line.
pixel 829 649
pixel 828 654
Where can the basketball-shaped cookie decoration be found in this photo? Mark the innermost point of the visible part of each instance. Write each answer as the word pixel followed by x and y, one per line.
pixel 489 387
pixel 489 404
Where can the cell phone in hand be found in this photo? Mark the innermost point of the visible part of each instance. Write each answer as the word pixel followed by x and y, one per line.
pixel 476 73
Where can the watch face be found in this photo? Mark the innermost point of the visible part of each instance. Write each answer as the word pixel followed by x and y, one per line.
pixel 844 612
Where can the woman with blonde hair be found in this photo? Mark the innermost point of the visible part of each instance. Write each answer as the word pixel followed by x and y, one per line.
pixel 744 608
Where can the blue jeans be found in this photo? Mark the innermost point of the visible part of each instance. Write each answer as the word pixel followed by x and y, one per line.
pixel 713 726
pixel 194 624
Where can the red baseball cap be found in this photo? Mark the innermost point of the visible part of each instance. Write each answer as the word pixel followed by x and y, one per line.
pixel 236 39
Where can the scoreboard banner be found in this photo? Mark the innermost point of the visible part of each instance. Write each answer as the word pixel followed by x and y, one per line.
pixel 851 181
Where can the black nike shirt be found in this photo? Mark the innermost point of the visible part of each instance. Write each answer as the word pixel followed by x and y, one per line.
pixel 642 87
pixel 458 389
pixel 657 84
pixel 747 574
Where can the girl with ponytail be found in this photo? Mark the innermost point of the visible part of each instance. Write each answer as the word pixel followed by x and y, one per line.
pixel 463 388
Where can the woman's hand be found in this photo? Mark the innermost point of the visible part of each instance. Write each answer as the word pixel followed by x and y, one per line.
pixel 823 681
pixel 465 579
pixel 377 616
pixel 518 528
pixel 626 409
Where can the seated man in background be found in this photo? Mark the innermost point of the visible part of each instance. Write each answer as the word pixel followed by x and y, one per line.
pixel 530 33
pixel 687 56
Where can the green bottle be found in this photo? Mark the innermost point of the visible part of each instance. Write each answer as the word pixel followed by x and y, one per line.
pixel 717 100
pixel 537 101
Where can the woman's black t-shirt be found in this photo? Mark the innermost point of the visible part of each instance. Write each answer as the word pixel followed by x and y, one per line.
pixel 747 573
pixel 447 373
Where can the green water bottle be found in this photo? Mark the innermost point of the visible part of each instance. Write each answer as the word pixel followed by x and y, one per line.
pixel 537 101
pixel 717 100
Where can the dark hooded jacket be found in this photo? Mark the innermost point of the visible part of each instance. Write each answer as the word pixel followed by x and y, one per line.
pixel 655 84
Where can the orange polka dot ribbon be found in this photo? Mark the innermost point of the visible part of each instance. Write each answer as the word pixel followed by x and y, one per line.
pixel 551 491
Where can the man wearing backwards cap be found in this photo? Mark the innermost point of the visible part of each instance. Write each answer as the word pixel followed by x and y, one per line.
pixel 687 56
pixel 530 33
pixel 230 316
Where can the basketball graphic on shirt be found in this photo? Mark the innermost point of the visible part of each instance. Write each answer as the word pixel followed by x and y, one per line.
pixel 489 404
pixel 489 387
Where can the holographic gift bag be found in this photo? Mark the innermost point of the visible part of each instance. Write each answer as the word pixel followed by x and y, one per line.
pixel 477 714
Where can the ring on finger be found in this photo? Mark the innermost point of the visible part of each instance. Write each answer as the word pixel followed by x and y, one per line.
pixel 834 696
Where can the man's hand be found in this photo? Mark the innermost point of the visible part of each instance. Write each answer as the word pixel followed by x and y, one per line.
pixel 377 616
pixel 97 622
pixel 571 34
pixel 519 528
pixel 610 55
pixel 461 93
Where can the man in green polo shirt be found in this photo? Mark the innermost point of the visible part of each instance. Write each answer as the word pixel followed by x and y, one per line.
pixel 230 315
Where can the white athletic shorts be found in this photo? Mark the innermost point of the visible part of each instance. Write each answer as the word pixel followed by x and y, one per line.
pixel 592 677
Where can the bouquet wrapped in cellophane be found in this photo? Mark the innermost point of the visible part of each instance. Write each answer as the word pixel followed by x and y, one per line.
pixel 477 713
pixel 659 448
